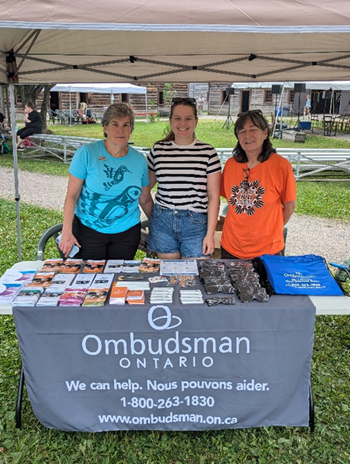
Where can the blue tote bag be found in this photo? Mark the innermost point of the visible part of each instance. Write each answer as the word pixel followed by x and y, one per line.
pixel 300 275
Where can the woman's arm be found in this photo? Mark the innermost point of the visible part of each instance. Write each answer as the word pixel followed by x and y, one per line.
pixel 73 193
pixel 288 210
pixel 213 193
pixel 152 179
pixel 146 200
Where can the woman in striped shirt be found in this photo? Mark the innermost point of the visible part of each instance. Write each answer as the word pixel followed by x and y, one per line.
pixel 187 201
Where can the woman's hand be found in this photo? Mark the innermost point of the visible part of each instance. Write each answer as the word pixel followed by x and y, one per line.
pixel 67 242
pixel 208 245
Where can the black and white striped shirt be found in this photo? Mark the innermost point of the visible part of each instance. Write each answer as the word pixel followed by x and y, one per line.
pixel 181 172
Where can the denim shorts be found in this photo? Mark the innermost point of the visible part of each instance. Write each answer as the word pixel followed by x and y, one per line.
pixel 176 230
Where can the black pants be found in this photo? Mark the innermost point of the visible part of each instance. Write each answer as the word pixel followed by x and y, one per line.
pixel 96 245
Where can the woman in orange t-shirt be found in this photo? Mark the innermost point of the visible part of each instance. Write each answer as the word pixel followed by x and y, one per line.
pixel 260 189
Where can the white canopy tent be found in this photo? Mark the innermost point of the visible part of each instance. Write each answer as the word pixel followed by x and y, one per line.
pixel 183 41
pixel 101 88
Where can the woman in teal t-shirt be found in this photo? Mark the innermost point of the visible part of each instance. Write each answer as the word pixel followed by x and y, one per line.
pixel 108 180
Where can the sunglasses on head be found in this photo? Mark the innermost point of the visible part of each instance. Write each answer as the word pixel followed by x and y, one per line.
pixel 191 101
pixel 250 112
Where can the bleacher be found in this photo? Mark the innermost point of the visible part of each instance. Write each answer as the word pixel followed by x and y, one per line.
pixel 306 162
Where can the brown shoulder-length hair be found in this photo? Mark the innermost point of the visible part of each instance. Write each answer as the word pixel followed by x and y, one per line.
pixel 191 102
pixel 258 120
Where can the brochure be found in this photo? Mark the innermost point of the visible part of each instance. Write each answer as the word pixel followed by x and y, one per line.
pixel 28 296
pixel 96 296
pixel 178 266
pixel 51 296
pixel 9 291
pixel 118 294
pixel 94 266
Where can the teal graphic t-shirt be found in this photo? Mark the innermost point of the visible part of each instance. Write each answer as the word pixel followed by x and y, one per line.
pixel 110 194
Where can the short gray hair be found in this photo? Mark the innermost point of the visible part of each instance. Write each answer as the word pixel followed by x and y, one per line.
pixel 117 111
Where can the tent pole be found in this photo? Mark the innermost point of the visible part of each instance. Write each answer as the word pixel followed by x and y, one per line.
pixel 15 166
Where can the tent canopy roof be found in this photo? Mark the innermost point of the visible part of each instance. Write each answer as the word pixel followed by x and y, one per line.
pixel 315 85
pixel 183 41
pixel 100 88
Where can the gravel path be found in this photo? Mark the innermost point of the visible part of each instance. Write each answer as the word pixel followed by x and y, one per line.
pixel 325 237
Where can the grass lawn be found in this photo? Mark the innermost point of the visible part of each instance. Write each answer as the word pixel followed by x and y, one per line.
pixel 282 445
pixel 34 444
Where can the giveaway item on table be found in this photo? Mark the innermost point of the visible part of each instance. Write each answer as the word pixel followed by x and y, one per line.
pixel 9 291
pixel 246 281
pixel 300 275
pixel 214 278
pixel 52 265
pixel 94 266
pixel 84 279
pixel 118 294
pixel 133 284
pixel 191 297
pixel 226 300
pixel 114 265
pixel 18 275
pixel 179 266
pixel 131 266
pixel 162 295
pixel 51 296
pixel 28 296
pixel 42 279
pixel 73 296
pixel 103 280
pixel 149 265
pixel 96 296
pixel 135 297
pixel 182 280
pixel 71 266
pixel 63 280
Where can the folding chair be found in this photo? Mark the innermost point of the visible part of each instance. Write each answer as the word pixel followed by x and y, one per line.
pixel 54 232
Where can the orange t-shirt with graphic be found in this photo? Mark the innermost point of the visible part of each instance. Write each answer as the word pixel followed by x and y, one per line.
pixel 254 221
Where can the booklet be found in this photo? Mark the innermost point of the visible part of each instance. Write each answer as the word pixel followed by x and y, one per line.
pixel 18 275
pixel 71 265
pixel 96 296
pixel 103 280
pixel 73 296
pixel 42 279
pixel 9 291
pixel 179 266
pixel 149 265
pixel 84 279
pixel 135 297
pixel 118 294
pixel 51 296
pixel 94 266
pixel 114 265
pixel 63 280
pixel 52 265
pixel 28 296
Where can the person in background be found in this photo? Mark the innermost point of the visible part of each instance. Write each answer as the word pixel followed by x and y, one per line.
pixel 307 107
pixel 108 180
pixel 3 122
pixel 200 103
pixel 187 201
pixel 260 189
pixel 83 108
pixel 33 125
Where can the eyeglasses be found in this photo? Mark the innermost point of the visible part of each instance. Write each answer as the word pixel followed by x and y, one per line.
pixel 191 101
pixel 250 112
pixel 246 173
